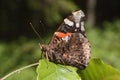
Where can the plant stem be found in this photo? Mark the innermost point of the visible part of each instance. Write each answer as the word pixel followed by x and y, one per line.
pixel 13 72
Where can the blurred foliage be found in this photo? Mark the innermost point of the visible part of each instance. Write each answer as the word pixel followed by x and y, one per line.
pixel 105 43
pixel 98 70
pixel 27 74
pixel 44 14
pixel 15 15
pixel 52 11
pixel 17 54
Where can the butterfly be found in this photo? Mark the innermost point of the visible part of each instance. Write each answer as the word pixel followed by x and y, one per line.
pixel 69 45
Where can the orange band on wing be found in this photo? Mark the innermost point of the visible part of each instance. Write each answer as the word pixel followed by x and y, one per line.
pixel 62 35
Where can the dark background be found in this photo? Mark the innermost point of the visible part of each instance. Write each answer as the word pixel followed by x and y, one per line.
pixel 15 15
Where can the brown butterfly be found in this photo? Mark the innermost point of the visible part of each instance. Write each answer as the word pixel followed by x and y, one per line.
pixel 69 44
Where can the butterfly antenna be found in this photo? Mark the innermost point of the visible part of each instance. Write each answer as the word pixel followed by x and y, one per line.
pixel 42 24
pixel 35 30
pixel 38 37
pixel 36 34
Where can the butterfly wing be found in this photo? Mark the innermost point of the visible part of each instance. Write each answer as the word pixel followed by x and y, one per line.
pixel 69 44
pixel 79 51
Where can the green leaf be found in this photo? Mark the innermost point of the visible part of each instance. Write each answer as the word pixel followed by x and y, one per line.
pixel 97 70
pixel 50 71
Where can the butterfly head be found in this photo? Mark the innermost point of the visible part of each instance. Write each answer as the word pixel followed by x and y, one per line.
pixel 44 48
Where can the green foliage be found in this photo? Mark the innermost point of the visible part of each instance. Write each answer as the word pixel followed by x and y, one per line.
pixel 17 54
pixel 96 70
pixel 27 74
pixel 50 71
pixel 105 43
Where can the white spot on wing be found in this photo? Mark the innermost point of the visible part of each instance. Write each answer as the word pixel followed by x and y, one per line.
pixel 75 29
pixel 81 36
pixel 78 15
pixel 82 26
pixel 66 38
pixel 68 22
pixel 77 25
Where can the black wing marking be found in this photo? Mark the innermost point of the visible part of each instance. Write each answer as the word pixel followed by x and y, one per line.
pixel 74 23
